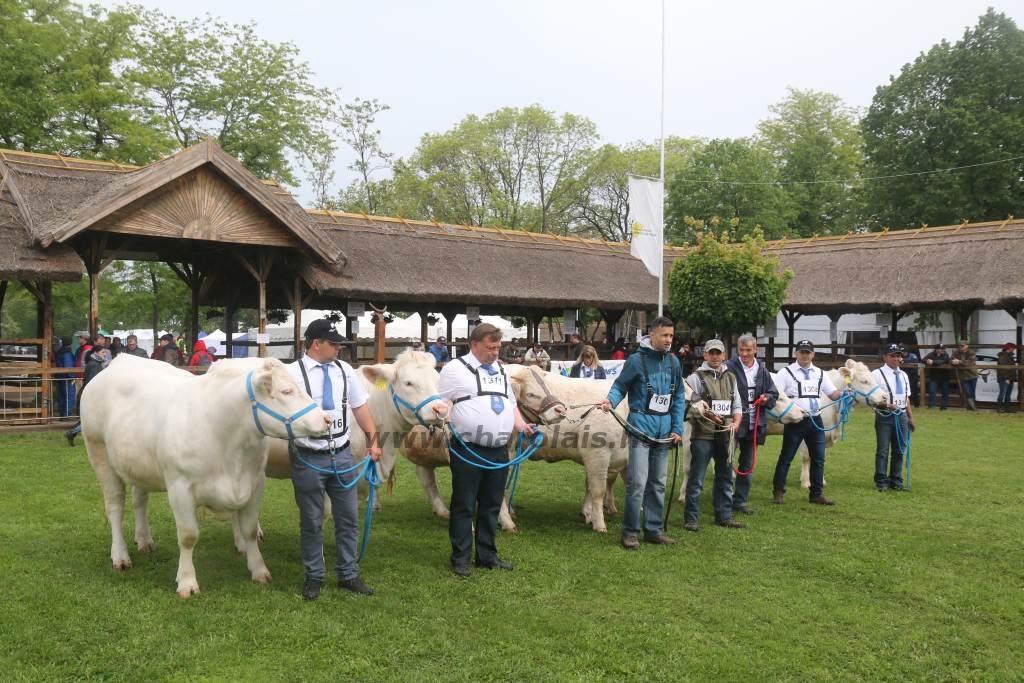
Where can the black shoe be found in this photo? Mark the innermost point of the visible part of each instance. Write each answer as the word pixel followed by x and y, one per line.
pixel 496 563
pixel 896 487
pixel 311 591
pixel 730 523
pixel 70 436
pixel 745 509
pixel 461 569
pixel 355 585
pixel 882 488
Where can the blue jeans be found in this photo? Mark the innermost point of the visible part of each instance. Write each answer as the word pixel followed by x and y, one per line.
pixel 645 488
pixel 741 483
pixel 969 385
pixel 888 438
pixel 942 384
pixel 701 453
pixel 792 435
pixel 310 487
pixel 1005 390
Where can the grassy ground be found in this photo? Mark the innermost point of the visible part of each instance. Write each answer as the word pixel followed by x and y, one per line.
pixel 927 584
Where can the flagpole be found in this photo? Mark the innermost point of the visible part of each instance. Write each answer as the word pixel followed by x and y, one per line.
pixel 661 246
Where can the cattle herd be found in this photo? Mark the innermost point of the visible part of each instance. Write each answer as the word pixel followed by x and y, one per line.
pixel 216 436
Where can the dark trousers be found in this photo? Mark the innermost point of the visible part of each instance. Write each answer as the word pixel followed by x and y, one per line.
pixel 703 451
pixel 476 496
pixel 943 386
pixel 741 485
pixel 806 431
pixel 887 439
pixel 310 487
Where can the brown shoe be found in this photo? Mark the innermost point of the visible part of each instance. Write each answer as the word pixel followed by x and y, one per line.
pixel 730 523
pixel 630 542
pixel 821 500
pixel 778 496
pixel 692 527
pixel 660 539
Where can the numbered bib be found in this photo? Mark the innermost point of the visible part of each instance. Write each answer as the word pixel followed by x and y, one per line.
pixel 337 421
pixel 492 384
pixel 750 395
pixel 722 408
pixel 659 404
pixel 900 401
pixel 808 389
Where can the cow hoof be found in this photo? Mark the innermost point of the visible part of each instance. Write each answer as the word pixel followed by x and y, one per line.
pixel 444 514
pixel 122 565
pixel 146 548
pixel 187 592
pixel 240 550
pixel 510 529
pixel 601 529
pixel 263 577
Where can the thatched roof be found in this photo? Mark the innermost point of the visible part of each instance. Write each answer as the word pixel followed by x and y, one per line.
pixel 422 262
pixel 21 258
pixel 976 265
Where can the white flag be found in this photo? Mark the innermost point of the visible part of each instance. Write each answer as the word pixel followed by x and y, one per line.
pixel 646 222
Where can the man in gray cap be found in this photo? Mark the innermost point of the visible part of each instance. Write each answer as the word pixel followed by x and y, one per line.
pixel 334 386
pixel 805 382
pixel 712 437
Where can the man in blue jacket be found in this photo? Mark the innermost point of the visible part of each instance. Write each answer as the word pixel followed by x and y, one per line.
pixel 653 380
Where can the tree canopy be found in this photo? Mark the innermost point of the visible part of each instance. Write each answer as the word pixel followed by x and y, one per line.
pixel 727 289
pixel 960 107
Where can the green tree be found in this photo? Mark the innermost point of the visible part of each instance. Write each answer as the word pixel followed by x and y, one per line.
pixel 814 139
pixel 727 289
pixel 602 210
pixel 256 98
pixel 728 187
pixel 956 106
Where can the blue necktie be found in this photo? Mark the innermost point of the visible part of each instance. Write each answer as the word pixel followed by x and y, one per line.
pixel 899 385
pixel 328 397
pixel 814 401
pixel 497 405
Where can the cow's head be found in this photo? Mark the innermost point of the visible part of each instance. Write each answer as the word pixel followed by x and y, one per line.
pixel 412 387
pixel 535 399
pixel 858 378
pixel 785 409
pixel 281 403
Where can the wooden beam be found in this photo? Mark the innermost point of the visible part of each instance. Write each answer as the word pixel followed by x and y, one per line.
pixel 296 301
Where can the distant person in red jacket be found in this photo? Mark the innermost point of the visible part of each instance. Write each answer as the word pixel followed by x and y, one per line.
pixel 201 355
pixel 619 349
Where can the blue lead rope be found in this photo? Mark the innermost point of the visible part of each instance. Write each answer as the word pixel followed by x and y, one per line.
pixel 903 439
pixel 523 453
pixel 367 469
pixel 845 408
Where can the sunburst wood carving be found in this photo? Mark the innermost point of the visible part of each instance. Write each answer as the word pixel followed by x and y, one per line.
pixel 200 206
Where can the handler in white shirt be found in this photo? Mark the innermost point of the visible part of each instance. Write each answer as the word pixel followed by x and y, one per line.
pixel 892 430
pixel 485 416
pixel 805 383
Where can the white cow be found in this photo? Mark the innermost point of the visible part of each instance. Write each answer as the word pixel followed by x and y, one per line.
pixel 785 411
pixel 591 438
pixel 200 438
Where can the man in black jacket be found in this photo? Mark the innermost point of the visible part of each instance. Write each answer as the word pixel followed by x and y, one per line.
pixel 754 384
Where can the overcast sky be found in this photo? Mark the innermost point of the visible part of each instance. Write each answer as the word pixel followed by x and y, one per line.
pixel 436 61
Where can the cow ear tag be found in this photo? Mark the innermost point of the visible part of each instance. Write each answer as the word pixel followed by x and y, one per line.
pixel 380 384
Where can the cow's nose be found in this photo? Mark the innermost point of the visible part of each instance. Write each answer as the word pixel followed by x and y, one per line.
pixel 327 420
pixel 560 410
pixel 440 410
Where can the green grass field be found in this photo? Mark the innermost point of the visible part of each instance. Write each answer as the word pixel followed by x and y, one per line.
pixel 920 585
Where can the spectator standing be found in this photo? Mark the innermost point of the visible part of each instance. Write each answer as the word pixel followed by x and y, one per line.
pixel 575 347
pixel 911 361
pixel 65 358
pixel 96 359
pixel 965 362
pixel 512 352
pixel 937 375
pixel 619 349
pixel 439 350
pixel 1006 378
pixel 201 355
pixel 132 347
pixel 84 347
pixel 115 347
pixel 168 351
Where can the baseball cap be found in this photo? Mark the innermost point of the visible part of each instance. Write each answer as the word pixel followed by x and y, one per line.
pixel 940 346
pixel 893 350
pixel 804 345
pixel 82 333
pixel 323 329
pixel 442 338
pixel 714 345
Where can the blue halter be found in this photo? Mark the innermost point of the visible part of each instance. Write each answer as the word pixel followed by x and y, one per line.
pixel 862 394
pixel 778 416
pixel 397 400
pixel 257 406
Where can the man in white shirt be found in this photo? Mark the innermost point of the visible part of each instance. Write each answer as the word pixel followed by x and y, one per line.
pixel 892 430
pixel 805 383
pixel 334 387
pixel 484 415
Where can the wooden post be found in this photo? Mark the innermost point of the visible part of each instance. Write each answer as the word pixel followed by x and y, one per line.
pixel 834 317
pixel 297 316
pixel 424 326
pixel 791 317
pixel 260 272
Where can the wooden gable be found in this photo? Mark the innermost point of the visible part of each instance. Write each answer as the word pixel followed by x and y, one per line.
pixel 200 205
